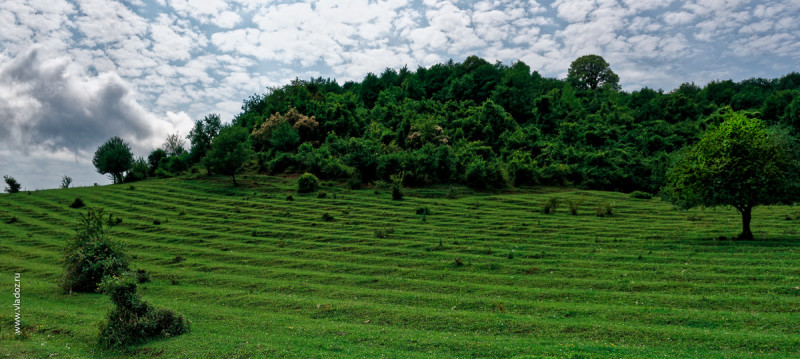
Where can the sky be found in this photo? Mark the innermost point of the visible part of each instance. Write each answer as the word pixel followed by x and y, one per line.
pixel 75 73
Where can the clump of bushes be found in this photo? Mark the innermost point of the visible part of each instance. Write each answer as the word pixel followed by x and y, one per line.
pixel 641 195
pixel 289 198
pixel 77 203
pixel 423 211
pixel 383 232
pixel 91 255
pixel 550 205
pixel 322 194
pixel 604 209
pixel 327 217
pixel 132 320
pixel 574 205
pixel 307 183
pixel 12 220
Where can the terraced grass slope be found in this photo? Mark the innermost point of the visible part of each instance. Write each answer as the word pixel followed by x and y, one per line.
pixel 483 275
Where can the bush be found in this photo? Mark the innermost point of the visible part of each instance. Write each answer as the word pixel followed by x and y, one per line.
pixel 383 232
pixel 550 205
pixel 133 320
pixel 327 217
pixel 574 205
pixel 91 255
pixel 77 203
pixel 13 185
pixel 423 211
pixel 604 209
pixel 322 194
pixel 641 195
pixel 397 186
pixel 307 183
pixel 289 198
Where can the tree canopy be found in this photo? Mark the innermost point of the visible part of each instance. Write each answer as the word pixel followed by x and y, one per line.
pixel 740 163
pixel 113 157
pixel 591 72
pixel 230 150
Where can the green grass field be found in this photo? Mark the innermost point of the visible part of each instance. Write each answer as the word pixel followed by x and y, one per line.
pixel 484 275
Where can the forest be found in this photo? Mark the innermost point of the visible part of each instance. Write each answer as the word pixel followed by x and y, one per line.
pixel 481 124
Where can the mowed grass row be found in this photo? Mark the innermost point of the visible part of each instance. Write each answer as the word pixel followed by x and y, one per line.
pixel 484 274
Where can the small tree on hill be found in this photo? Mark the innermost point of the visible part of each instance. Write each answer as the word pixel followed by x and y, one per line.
pixel 113 157
pixel 91 255
pixel 13 185
pixel 66 181
pixel 742 164
pixel 230 150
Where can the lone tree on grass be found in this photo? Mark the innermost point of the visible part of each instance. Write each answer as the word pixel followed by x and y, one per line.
pixel 13 185
pixel 742 164
pixel 91 254
pixel 230 150
pixel 113 157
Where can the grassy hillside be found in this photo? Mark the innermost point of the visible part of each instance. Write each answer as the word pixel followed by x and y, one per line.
pixel 260 276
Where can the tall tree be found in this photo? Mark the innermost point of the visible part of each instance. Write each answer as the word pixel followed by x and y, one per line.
pixel 742 164
pixel 591 72
pixel 202 134
pixel 230 150
pixel 113 157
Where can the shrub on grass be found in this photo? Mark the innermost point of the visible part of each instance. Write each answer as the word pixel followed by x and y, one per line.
pixel 307 183
pixel 91 255
pixel 550 205
pixel 327 217
pixel 383 232
pixel 397 186
pixel 322 194
pixel 132 320
pixel 12 220
pixel 423 211
pixel 641 195
pixel 77 203
pixel 574 205
pixel 604 209
pixel 289 198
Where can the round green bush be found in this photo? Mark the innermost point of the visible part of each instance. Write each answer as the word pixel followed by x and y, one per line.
pixel 307 183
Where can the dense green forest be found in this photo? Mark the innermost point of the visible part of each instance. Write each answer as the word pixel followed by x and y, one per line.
pixel 486 125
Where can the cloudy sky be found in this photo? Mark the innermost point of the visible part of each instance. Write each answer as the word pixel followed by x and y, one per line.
pixel 74 73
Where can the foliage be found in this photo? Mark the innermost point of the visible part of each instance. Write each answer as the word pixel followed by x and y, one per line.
pixel 489 125
pixel 307 183
pixel 139 170
pixel 113 157
pixel 592 71
pixel 13 185
pixel 641 195
pixel 133 320
pixel 77 203
pixel 740 163
pixel 396 185
pixel 551 205
pixel 65 182
pixel 91 255
pixel 174 145
pixel 201 135
pixel 230 150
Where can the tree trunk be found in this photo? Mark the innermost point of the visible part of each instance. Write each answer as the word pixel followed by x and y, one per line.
pixel 234 180
pixel 746 233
